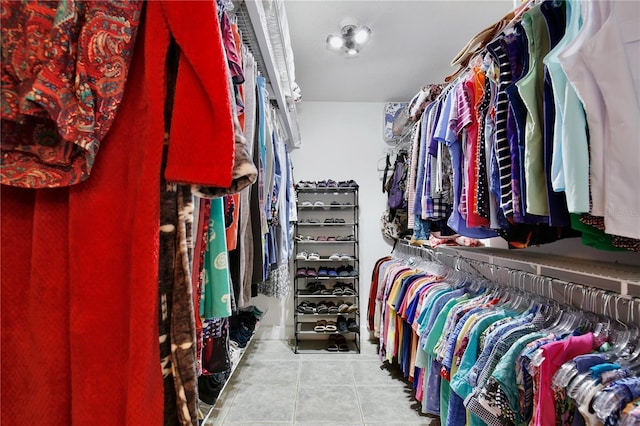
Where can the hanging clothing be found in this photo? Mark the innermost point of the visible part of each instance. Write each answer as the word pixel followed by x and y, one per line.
pixel 50 237
pixel 65 66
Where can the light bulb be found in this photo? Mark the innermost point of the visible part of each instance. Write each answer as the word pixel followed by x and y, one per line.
pixel 335 42
pixel 352 52
pixel 362 35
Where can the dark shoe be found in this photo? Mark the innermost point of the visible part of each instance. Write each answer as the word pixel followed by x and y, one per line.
pixel 352 325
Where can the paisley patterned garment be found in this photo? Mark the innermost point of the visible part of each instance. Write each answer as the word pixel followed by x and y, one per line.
pixel 64 68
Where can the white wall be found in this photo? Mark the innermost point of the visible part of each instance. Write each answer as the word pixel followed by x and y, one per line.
pixel 340 141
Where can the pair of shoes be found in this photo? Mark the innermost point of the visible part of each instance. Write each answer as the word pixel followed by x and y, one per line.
pixel 325 326
pixel 347 308
pixel 316 287
pixel 337 343
pixel 347 271
pixel 312 220
pixel 306 273
pixel 304 184
pixel 334 220
pixel 327 308
pixel 347 184
pixel 352 325
pixel 327 272
pixel 343 256
pixel 306 308
pixel 343 289
pixel 344 238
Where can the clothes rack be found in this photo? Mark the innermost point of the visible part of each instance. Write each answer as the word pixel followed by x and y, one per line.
pixel 572 288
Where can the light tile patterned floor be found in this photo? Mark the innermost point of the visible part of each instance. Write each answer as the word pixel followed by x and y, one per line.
pixel 272 386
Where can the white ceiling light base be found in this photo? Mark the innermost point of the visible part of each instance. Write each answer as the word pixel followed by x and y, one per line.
pixel 351 39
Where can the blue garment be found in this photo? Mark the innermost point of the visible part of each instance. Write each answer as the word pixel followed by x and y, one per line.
pixel 422 159
pixel 491 340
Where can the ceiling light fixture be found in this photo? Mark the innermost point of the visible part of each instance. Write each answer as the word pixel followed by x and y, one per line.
pixel 351 39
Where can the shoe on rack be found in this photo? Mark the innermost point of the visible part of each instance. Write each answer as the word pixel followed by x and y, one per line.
pixel 332 184
pixel 352 184
pixel 333 309
pixel 301 273
pixel 329 220
pixel 321 184
pixel 322 308
pixel 319 289
pixel 342 271
pixel 345 256
pixel 311 273
pixel 306 204
pixel 334 256
pixel 343 346
pixel 332 272
pixel 313 256
pixel 321 238
pixel 332 344
pixel 348 290
pixel 320 326
pixel 343 307
pixel 352 325
pixel 342 324
pixel 302 256
pixel 337 289
pixel 322 272
pixel 331 238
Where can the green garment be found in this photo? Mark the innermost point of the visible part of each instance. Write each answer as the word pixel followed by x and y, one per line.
pixel 216 283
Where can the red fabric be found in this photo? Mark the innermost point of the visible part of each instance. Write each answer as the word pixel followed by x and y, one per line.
pixel 202 122
pixel 80 264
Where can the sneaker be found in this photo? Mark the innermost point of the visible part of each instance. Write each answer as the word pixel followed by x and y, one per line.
pixel 352 325
pixel 322 272
pixel 344 257
pixel 332 272
pixel 341 323
pixel 334 256
pixel 302 256
pixel 313 256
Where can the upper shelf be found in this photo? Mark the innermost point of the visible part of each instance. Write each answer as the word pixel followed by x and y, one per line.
pixel 253 23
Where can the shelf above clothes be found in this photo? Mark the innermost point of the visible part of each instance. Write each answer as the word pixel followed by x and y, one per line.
pixel 266 37
pixel 562 276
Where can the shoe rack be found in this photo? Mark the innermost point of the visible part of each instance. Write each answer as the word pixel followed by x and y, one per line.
pixel 326 271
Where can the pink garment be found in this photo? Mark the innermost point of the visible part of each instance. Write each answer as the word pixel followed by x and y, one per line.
pixel 555 354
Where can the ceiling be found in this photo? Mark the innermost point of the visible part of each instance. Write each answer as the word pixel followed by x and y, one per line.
pixel 412 44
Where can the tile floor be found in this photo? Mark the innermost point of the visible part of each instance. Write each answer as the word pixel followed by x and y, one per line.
pixel 273 386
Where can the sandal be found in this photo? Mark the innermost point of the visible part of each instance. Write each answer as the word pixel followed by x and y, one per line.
pixel 337 290
pixel 322 308
pixel 318 288
pixel 332 343
pixel 342 343
pixel 344 307
pixel 331 326
pixel 320 326
pixel 333 309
